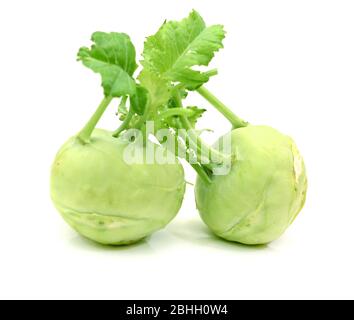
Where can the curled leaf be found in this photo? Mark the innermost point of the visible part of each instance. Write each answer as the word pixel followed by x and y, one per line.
pixel 112 56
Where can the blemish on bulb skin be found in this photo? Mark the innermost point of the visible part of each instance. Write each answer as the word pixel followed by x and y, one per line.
pixel 298 167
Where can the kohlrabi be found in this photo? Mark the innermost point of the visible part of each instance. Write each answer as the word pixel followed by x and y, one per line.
pixel 97 191
pixel 262 194
pixel 265 189
pixel 108 200
pixel 265 184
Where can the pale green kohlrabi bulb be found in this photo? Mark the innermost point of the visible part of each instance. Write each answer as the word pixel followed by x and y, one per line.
pixel 109 201
pixel 263 193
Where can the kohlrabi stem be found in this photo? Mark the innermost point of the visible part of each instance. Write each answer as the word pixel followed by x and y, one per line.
pixel 222 108
pixel 211 73
pixel 199 169
pixel 125 124
pixel 122 103
pixel 192 145
pixel 85 134
pixel 212 154
pixel 174 112
pixel 201 172
pixel 145 116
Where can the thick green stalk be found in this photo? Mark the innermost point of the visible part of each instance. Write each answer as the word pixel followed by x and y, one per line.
pixel 222 108
pixel 85 134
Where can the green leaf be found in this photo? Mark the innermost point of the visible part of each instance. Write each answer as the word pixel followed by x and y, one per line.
pixel 112 56
pixel 195 115
pixel 179 46
pixel 158 88
pixel 172 103
pixel 139 100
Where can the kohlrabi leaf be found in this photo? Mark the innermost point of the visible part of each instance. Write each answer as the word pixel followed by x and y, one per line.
pixel 139 100
pixel 195 115
pixel 158 88
pixel 172 102
pixel 112 56
pixel 179 46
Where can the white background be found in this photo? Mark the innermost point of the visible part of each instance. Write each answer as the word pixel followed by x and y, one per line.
pixel 289 64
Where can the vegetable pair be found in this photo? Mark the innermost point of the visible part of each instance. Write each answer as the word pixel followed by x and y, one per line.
pixel 114 201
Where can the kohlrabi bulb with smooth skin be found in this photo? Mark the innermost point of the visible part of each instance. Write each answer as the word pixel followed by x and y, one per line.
pixel 108 200
pixel 263 193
